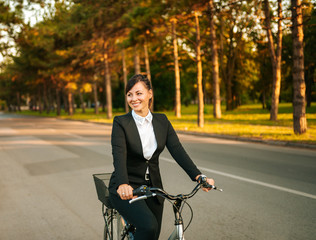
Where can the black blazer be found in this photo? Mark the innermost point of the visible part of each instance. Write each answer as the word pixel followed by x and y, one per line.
pixel 129 163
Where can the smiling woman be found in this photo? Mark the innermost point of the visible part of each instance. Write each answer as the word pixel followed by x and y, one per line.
pixel 137 139
pixel 139 95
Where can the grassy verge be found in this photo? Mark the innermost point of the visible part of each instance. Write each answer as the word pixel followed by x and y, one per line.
pixel 250 121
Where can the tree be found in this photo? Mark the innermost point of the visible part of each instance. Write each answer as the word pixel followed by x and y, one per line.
pixel 275 57
pixel 147 62
pixel 136 60
pixel 309 14
pixel 217 113
pixel 124 77
pixel 299 111
pixel 237 23
pixel 199 72
pixel 176 69
pixel 231 28
pixel 9 21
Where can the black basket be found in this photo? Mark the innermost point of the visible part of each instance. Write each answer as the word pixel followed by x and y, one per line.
pixel 101 183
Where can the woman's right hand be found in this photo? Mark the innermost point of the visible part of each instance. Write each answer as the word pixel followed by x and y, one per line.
pixel 125 191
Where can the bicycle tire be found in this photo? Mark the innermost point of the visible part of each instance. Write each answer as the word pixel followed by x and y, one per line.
pixel 114 228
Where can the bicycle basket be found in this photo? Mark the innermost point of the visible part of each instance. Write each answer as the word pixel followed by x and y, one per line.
pixel 101 183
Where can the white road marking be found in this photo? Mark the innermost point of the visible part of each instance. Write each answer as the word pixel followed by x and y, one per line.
pixel 249 180
pixel 7 131
pixel 72 135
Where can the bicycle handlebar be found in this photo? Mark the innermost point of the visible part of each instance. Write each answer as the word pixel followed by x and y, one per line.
pixel 145 192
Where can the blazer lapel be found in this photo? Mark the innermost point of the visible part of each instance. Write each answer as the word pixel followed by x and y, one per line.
pixel 158 132
pixel 133 132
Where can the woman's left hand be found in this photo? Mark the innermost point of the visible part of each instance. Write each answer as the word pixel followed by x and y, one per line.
pixel 209 181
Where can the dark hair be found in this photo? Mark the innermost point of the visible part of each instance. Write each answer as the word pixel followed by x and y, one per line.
pixel 136 79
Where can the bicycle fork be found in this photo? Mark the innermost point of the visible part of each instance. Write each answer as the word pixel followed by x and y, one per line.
pixel 177 233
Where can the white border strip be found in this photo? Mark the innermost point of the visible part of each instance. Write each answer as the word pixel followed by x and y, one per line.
pixel 250 180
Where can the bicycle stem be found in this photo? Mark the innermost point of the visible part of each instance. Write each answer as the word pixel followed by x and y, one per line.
pixel 176 209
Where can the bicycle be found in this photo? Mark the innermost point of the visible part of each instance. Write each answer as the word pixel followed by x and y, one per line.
pixel 117 228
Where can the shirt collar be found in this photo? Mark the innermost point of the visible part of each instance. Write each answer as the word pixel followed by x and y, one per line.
pixel 141 120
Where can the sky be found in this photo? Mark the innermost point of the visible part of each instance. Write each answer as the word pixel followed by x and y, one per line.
pixel 32 14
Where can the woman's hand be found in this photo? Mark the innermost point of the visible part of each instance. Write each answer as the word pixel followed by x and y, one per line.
pixel 209 181
pixel 125 191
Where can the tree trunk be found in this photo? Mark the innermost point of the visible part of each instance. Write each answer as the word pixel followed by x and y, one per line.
pixel 82 100
pixel 40 107
pixel 58 101
pixel 263 99
pixel 124 78
pixel 103 94
pixel 50 98
pixel 108 88
pixel 176 69
pixel 95 94
pixel 9 105
pixel 221 57
pixel 147 60
pixel 230 68
pixel 148 69
pixel 199 74
pixel 18 101
pixel 73 103
pixel 136 60
pixel 65 100
pixel 45 94
pixel 309 79
pixel 217 113
pixel 227 69
pixel 299 114
pixel 70 103
pixel 275 58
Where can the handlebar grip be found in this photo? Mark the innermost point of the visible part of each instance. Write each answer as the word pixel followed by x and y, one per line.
pixel 140 190
pixel 137 199
pixel 203 181
pixel 206 185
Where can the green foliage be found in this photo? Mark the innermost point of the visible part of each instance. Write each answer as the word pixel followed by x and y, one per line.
pixel 66 50
pixel 247 121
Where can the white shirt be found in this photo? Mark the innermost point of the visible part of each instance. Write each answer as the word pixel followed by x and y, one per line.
pixel 146 133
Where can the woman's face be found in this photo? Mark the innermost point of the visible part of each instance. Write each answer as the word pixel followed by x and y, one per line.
pixel 138 98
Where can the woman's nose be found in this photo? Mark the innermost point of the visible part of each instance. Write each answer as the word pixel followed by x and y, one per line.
pixel 133 98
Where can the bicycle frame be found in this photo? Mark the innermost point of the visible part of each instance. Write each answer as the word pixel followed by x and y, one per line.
pixel 178 232
pixel 144 192
pixel 120 230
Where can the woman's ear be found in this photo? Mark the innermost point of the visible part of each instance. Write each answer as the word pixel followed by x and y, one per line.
pixel 151 93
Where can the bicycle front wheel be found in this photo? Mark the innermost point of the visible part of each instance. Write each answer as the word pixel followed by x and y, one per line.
pixel 115 228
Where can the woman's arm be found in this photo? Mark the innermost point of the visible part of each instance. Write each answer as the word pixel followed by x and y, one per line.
pixel 179 154
pixel 119 152
pixel 182 158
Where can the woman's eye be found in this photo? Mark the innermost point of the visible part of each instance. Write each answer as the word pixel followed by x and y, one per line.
pixel 139 93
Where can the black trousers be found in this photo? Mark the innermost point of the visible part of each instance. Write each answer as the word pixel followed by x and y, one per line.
pixel 145 215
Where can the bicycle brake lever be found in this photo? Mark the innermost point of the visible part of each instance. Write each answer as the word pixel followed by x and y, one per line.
pixel 142 197
pixel 206 185
pixel 218 189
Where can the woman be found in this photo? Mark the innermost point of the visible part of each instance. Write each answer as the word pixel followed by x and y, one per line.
pixel 138 138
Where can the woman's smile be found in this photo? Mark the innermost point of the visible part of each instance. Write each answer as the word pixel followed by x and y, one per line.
pixel 138 99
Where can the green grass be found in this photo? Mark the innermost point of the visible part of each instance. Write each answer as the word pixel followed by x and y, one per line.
pixel 250 121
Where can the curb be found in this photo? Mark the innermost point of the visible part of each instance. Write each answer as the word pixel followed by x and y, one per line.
pixel 232 137
pixel 222 136
pixel 253 140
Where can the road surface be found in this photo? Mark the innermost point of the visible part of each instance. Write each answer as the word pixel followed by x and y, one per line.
pixel 47 190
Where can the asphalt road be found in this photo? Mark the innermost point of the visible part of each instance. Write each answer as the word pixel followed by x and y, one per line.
pixel 47 190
